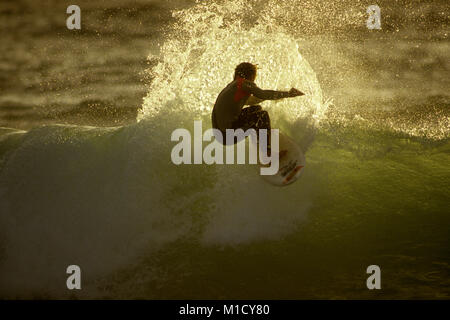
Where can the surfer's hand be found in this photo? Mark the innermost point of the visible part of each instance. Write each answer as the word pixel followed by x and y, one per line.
pixel 295 93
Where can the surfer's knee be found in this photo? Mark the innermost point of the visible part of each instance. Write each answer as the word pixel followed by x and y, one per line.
pixel 256 108
pixel 265 117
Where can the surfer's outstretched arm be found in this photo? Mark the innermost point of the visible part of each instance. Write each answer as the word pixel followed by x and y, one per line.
pixel 252 88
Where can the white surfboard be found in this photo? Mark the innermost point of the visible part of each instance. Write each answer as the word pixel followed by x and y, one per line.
pixel 291 165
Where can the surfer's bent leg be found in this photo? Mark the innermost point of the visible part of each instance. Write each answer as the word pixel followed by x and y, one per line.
pixel 256 118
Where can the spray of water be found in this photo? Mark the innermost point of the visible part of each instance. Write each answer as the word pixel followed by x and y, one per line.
pixel 206 44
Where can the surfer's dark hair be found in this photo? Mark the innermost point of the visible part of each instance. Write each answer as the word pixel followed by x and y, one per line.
pixel 245 70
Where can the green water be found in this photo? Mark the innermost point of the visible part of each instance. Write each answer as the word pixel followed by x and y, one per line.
pixel 378 198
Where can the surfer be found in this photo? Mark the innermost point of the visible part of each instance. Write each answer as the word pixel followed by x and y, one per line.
pixel 229 111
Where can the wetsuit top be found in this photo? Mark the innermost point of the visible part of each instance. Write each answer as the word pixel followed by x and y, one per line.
pixel 229 103
pixel 234 96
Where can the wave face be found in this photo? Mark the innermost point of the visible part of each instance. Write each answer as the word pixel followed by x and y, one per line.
pixel 111 201
pixel 99 198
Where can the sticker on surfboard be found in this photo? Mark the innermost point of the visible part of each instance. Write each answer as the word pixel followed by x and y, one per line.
pixel 291 164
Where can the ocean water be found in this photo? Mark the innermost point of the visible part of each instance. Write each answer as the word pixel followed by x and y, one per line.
pixel 86 176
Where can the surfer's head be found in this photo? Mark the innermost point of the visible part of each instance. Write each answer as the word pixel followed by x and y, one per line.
pixel 245 70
